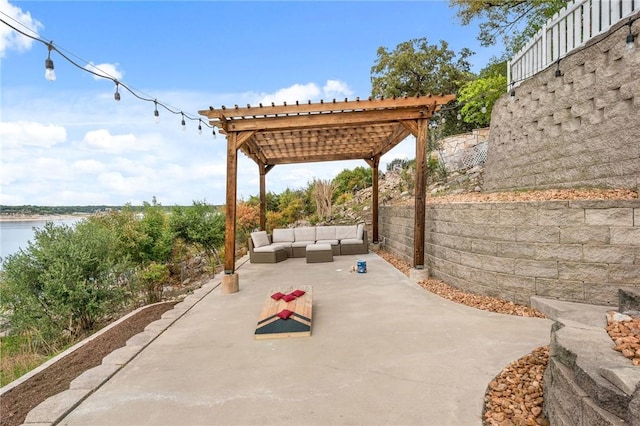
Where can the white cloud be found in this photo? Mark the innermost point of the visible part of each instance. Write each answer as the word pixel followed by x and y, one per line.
pixel 9 38
pixel 11 172
pixel 105 70
pixel 88 167
pixel 336 88
pixel 28 133
pixel 102 140
pixel 297 92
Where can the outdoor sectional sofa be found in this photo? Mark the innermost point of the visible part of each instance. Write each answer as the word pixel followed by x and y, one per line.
pixel 292 242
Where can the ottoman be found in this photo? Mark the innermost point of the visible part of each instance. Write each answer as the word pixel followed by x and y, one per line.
pixel 319 253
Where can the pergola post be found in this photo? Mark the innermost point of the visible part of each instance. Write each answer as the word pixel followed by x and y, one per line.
pixel 420 195
pixel 263 197
pixel 230 279
pixel 374 162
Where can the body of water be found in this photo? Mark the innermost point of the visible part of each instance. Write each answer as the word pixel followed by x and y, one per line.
pixel 16 235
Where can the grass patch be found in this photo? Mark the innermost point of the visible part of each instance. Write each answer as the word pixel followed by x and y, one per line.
pixel 19 355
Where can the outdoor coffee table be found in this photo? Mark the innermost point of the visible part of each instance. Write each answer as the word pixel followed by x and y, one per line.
pixel 286 313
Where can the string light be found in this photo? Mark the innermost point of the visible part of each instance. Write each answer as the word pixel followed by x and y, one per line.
pixel 558 72
pixel 183 123
pixel 51 76
pixel 630 45
pixel 199 126
pixel 49 73
pixel 116 95
pixel 156 113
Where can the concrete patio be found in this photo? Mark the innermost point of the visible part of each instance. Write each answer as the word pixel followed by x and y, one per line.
pixel 383 351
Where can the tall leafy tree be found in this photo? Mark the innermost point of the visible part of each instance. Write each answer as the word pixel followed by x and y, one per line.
pixel 416 67
pixel 201 225
pixel 515 21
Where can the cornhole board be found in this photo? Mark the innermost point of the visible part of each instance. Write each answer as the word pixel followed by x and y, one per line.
pixel 271 326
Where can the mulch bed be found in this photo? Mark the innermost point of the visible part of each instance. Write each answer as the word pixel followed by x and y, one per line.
pixel 16 404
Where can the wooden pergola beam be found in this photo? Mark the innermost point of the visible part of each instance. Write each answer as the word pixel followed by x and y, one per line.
pixel 325 107
pixel 326 120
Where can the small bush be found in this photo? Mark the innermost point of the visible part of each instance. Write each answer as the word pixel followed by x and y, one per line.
pixel 152 279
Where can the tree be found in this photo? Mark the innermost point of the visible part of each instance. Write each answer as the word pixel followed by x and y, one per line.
pixel 64 282
pixel 247 220
pixel 417 68
pixel 348 181
pixel 478 96
pixel 516 21
pixel 201 225
pixel 154 224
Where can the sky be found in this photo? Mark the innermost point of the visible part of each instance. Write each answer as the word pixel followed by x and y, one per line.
pixel 68 142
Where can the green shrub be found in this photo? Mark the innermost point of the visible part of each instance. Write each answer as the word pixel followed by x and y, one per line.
pixel 64 282
pixel 152 279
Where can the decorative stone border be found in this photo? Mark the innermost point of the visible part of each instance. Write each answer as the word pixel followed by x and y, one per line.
pixel 52 410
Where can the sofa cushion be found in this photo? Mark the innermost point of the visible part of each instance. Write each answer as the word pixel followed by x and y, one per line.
pixel 283 235
pixel 325 232
pixel 331 242
pixel 360 231
pixel 305 233
pixel 301 243
pixel 349 241
pixel 268 249
pixel 346 231
pixel 260 239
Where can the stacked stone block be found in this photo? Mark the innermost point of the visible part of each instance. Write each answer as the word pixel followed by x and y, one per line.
pixel 581 129
pixel 580 251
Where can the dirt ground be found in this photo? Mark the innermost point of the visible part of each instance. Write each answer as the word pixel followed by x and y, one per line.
pixel 16 404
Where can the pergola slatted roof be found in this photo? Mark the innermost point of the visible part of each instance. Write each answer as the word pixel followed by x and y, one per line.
pixel 324 131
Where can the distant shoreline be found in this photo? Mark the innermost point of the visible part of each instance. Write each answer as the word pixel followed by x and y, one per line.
pixel 40 217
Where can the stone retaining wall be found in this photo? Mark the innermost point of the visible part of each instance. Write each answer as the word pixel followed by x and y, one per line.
pixel 580 251
pixel 587 382
pixel 581 129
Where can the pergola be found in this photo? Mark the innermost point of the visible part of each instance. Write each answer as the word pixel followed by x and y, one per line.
pixel 326 131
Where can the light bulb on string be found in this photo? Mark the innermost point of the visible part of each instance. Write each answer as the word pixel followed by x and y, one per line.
pixel 49 73
pixel 183 123
pixel 199 126
pixel 116 95
pixel 459 116
pixel 214 133
pixel 156 114
pixel 630 42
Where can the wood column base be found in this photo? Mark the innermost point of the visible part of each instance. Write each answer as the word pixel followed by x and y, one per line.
pixel 230 283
